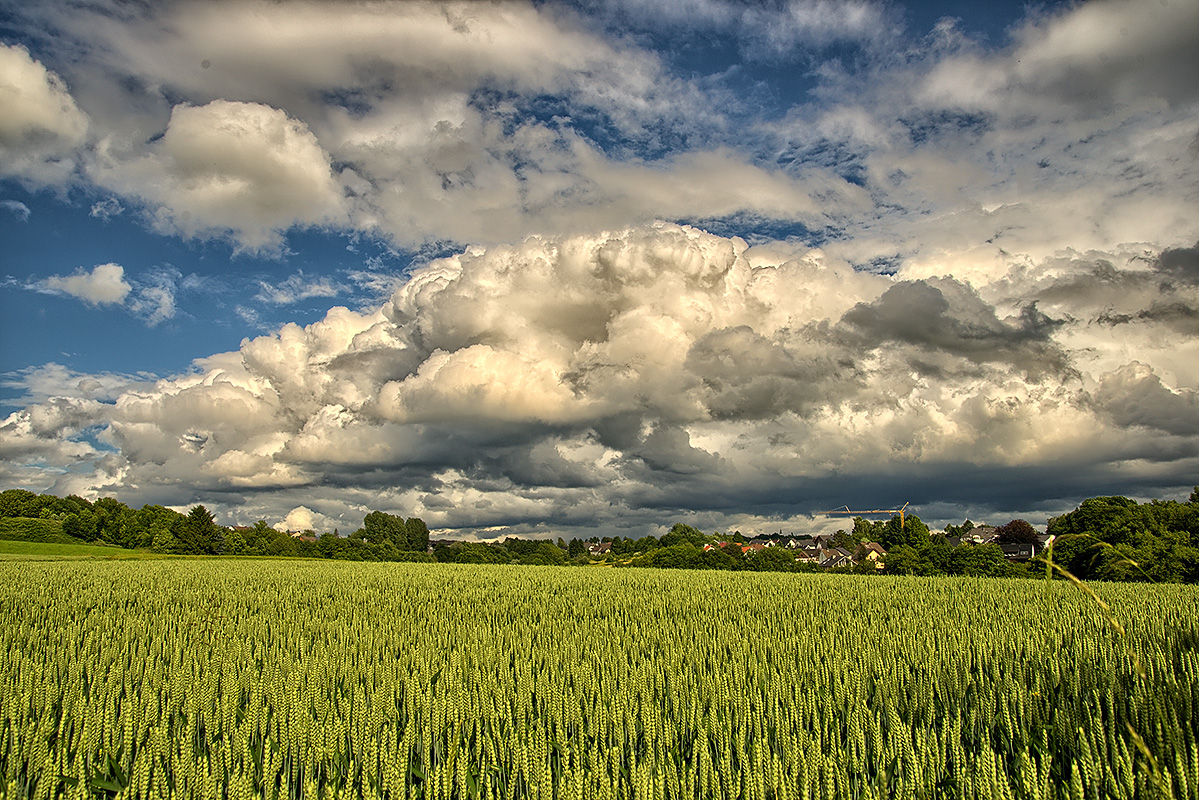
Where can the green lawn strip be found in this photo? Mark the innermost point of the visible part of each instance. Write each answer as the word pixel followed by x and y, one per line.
pixel 16 550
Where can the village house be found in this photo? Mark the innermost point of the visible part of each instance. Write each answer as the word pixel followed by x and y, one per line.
pixel 831 554
pixel 1022 551
pixel 870 551
pixel 837 557
pixel 765 541
pixel 808 555
pixel 981 534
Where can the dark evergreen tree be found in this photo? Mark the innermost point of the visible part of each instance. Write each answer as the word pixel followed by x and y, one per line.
pixel 198 533
pixel 576 548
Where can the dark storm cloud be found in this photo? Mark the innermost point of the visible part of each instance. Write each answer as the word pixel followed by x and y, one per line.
pixel 1135 396
pixel 1181 264
pixel 948 317
pixel 538 464
pixel 1097 290
pixel 669 449
pixel 747 376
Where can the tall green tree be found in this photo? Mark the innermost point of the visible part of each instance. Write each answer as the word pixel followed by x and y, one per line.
pixel 911 532
pixel 416 536
pixel 1115 538
pixel 379 527
pixel 17 503
pixel 843 539
pixel 112 518
pixel 902 559
pixel 198 533
pixel 683 534
pixel 772 559
pixel 153 526
pixel 80 525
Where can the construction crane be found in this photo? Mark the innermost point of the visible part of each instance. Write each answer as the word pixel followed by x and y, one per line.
pixel 899 511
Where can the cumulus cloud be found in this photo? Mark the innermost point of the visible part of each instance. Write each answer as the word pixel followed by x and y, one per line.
pixel 244 170
pixel 435 116
pixel 943 316
pixel 150 296
pixel 40 439
pixel 975 154
pixel 39 384
pixel 302 518
pixel 42 128
pixel 1181 264
pixel 472 123
pixel 1135 395
pixel 613 379
pixel 104 285
pixel 1004 290
pixel 1103 53
pixel 42 443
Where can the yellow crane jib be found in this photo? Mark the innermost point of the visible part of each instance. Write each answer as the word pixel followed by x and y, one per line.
pixel 899 511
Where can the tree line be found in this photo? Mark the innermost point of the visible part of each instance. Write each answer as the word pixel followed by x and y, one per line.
pixel 382 537
pixel 1105 538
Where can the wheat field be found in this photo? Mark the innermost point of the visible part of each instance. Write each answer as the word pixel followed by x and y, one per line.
pixel 240 679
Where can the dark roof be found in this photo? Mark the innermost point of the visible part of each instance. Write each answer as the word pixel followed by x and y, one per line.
pixel 1018 552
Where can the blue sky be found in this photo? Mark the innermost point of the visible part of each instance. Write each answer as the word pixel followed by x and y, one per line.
pixel 542 268
pixel 218 296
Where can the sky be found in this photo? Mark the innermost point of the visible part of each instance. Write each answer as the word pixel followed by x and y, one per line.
pixel 595 268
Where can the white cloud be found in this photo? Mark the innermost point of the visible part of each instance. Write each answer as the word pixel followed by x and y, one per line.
pixel 474 123
pixel 1032 200
pixel 297 287
pixel 104 285
pixel 155 303
pixel 1109 52
pixel 39 384
pixel 617 378
pixel 410 100
pixel 151 296
pixel 302 518
pixel 41 128
pixel 244 170
pixel 42 435
pixel 378 283
pixel 975 155
pixel 107 208
pixel 17 208
pixel 788 31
